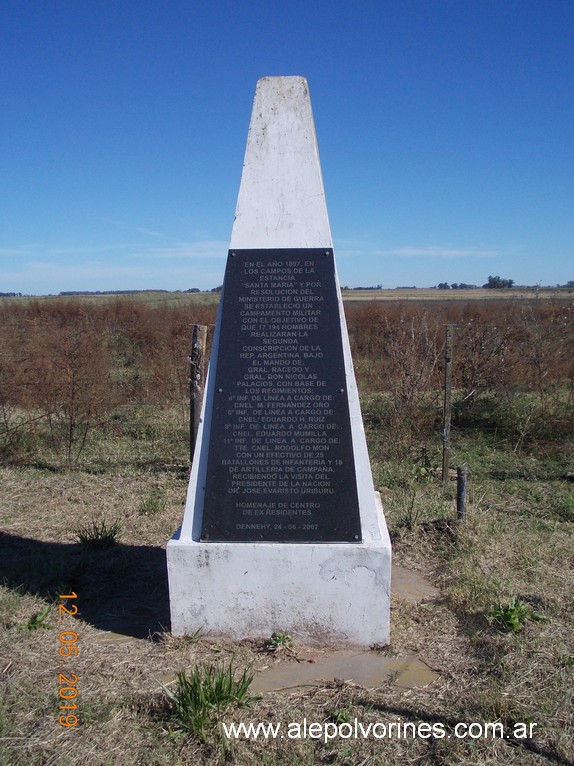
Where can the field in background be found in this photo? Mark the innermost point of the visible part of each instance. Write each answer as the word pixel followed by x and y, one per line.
pixel 176 299
pixel 479 294
pixel 94 436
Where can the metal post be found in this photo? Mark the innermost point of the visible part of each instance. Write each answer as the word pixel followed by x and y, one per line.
pixel 461 477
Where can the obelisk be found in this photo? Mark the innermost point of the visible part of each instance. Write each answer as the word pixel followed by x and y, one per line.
pixel 283 529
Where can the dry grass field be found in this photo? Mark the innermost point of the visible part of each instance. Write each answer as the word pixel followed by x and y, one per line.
pixel 178 299
pixel 93 485
pixel 402 295
pixel 478 294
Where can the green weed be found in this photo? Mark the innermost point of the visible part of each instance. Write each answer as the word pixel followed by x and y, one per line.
pixel 511 617
pixel 422 469
pixel 280 640
pixel 340 716
pixel 38 620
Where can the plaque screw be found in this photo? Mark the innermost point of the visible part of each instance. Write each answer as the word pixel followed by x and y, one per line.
pixel 220 390
pixel 341 390
pixel 356 537
pixel 326 252
pixel 233 255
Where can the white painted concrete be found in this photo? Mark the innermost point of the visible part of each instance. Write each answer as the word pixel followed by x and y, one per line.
pixel 328 593
pixel 281 199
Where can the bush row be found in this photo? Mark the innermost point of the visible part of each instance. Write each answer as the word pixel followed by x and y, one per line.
pixel 512 364
pixel 68 363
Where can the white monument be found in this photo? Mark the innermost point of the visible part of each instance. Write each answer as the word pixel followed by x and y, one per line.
pixel 283 529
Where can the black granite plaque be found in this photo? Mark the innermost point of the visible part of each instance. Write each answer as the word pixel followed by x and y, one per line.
pixel 280 466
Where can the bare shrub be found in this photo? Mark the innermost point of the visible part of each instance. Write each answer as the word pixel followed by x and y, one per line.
pixel 513 368
pixel 66 376
pixel 65 364
pixel 411 357
pixel 12 418
pixel 396 352
pixel 149 348
pixel 543 338
pixel 483 361
pixel 131 344
pixel 19 429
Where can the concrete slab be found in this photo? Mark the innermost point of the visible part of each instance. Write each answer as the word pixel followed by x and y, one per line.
pixel 411 586
pixel 367 669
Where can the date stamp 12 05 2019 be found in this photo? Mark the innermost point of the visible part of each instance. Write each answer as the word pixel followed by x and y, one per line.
pixel 67 682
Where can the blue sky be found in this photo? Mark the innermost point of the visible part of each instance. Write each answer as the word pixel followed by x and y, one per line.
pixel 445 129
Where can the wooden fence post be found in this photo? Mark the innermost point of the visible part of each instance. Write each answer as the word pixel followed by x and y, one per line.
pixel 196 381
pixel 447 410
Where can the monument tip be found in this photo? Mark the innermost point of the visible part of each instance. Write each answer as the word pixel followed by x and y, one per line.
pixel 281 200
pixel 294 77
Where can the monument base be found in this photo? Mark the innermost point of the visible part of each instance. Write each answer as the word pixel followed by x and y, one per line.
pixel 322 593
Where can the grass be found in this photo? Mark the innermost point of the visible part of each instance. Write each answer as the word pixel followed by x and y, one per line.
pixel 203 697
pixel 513 553
pixel 98 533
pixel 154 502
